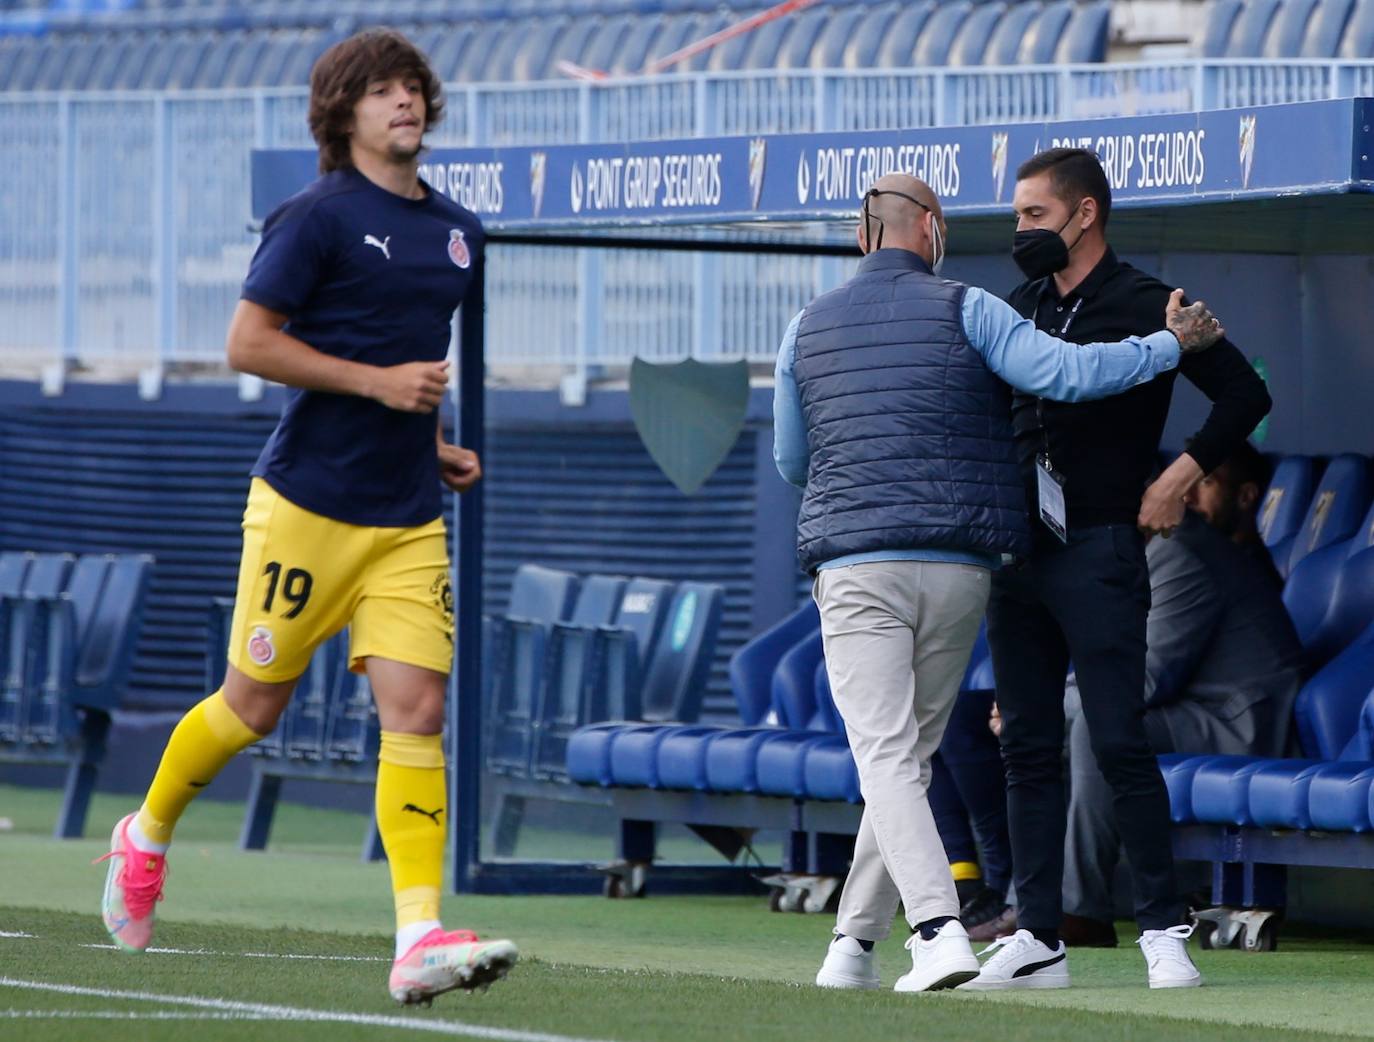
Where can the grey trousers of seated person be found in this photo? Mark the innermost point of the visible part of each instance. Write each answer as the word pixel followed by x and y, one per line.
pixel 897 637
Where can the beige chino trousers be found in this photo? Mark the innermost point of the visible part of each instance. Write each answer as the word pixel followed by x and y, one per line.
pixel 897 637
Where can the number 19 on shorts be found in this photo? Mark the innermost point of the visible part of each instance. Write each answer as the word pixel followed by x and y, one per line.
pixel 294 586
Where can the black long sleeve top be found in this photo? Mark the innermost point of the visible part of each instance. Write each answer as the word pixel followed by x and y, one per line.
pixel 1107 449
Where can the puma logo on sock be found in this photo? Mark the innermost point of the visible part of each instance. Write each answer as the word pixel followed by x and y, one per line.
pixel 433 815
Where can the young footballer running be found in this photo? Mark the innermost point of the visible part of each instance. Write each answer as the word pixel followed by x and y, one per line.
pixel 348 302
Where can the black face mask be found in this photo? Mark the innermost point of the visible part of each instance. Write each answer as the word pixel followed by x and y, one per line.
pixel 1039 252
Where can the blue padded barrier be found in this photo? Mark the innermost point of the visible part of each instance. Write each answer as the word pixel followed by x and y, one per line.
pixel 1178 770
pixel 1339 796
pixel 828 770
pixel 1221 790
pixel 1279 793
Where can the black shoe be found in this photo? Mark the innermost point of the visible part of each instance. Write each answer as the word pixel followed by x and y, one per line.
pixel 1079 932
pixel 983 907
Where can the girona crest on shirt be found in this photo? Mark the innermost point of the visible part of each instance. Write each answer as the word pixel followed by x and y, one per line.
pixel 458 251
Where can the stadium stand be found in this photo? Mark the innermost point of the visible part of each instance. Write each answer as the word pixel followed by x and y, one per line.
pixel 68 627
pixel 164 46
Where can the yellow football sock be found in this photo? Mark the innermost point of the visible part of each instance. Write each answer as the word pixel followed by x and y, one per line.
pixel 962 870
pixel 412 805
pixel 205 740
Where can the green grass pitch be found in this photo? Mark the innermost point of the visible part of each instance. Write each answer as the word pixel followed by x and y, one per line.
pixel 294 944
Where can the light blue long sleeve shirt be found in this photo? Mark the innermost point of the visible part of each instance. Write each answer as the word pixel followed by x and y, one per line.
pixel 1026 358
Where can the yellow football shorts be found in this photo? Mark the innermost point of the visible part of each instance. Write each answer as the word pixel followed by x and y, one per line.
pixel 304 577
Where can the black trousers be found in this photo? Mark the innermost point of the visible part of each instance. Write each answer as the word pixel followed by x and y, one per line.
pixel 1086 602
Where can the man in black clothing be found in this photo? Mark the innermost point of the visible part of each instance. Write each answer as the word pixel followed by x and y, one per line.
pixel 1084 593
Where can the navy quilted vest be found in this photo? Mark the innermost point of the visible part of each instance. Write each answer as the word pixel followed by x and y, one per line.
pixel 910 432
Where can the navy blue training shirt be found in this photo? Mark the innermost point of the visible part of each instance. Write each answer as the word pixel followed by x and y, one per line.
pixel 370 276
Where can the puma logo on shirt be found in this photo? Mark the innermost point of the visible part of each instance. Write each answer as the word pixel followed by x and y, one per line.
pixel 381 244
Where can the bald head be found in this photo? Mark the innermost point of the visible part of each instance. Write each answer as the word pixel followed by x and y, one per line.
pixel 899 205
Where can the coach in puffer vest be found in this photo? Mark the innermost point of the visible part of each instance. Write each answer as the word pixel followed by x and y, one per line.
pixel 892 411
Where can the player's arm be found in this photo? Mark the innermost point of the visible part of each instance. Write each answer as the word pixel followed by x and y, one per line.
pixel 257 345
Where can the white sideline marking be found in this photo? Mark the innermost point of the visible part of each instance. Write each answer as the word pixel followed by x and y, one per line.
pixel 245 955
pixel 258 1010
pixel 111 1014
pixel 14 933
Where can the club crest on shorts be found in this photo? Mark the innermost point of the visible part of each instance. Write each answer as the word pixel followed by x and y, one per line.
pixel 442 592
pixel 261 651
pixel 458 249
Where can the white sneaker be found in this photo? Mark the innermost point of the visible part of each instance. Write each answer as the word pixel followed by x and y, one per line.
pixel 847 965
pixel 1020 961
pixel 1166 955
pixel 944 961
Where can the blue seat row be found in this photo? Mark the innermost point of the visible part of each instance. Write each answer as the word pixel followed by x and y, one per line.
pixel 1319 523
pixel 1289 29
pixel 1331 788
pixel 574 650
pixel 797 749
pixel 68 630
pixel 278 46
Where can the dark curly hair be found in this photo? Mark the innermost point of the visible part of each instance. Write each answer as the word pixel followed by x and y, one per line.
pixel 340 78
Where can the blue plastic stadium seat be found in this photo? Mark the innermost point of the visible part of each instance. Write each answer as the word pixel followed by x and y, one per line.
pixel 1042 36
pixel 1289 29
pixel 1221 22
pixel 764 43
pixel 1085 39
pixel 627 646
pixel 752 666
pixel 828 50
pixel 1358 39
pixel 1251 28
pixel 1287 498
pixel 445 59
pixel 708 22
pixel 1337 507
pixel 804 29
pixel 566 698
pixel 935 31
pixel 108 595
pixel 517 641
pixel 1330 593
pixel 352 731
pixel 899 48
pixel 676 674
pixel 1326 28
pixel 970 46
pixel 868 36
pixel 1004 47
pixel 729 55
